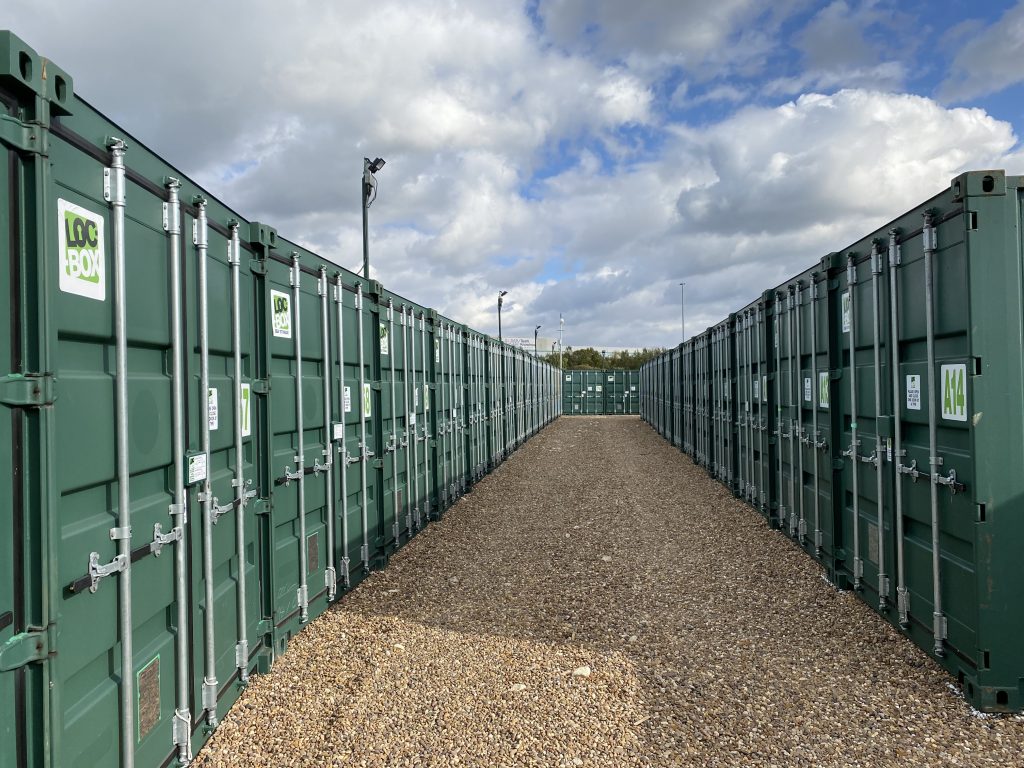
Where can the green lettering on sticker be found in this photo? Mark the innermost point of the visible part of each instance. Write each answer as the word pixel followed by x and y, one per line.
pixel 954 392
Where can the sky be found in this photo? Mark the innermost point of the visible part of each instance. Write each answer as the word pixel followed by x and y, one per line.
pixel 586 156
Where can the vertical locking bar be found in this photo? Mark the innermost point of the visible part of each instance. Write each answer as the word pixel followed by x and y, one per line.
pixel 396 527
pixel 179 510
pixel 816 404
pixel 327 371
pixel 210 685
pixel 853 453
pixel 902 594
pixel 364 449
pixel 124 514
pixel 302 596
pixel 342 447
pixel 798 373
pixel 242 650
pixel 883 578
pixel 938 618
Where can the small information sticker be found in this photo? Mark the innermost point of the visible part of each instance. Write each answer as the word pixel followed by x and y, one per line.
pixel 347 400
pixel 568 377
pixel 757 389
pixel 807 389
pixel 412 419
pixel 611 378
pixel 195 468
pixel 338 430
pixel 281 314
pixel 846 313
pixel 426 397
pixel 437 351
pixel 597 388
pixel 914 392
pixel 212 415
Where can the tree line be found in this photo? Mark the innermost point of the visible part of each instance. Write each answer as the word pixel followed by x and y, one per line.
pixel 589 358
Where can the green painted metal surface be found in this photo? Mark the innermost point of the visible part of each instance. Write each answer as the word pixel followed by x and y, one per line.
pixel 878 418
pixel 600 392
pixel 269 457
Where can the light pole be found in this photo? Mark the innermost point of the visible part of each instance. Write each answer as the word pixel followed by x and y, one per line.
pixel 369 185
pixel 604 356
pixel 682 305
pixel 535 341
pixel 561 325
pixel 501 294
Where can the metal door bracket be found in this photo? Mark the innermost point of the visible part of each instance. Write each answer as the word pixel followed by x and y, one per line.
pixel 30 390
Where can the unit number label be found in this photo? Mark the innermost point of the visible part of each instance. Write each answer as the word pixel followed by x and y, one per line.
pixel 281 314
pixel 954 392
pixel 914 392
pixel 568 378
pixel 367 402
pixel 823 392
pixel 212 416
pixel 245 410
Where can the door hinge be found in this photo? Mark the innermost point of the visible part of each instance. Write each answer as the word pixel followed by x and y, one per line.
pixel 24 137
pixel 22 649
pixel 264 627
pixel 30 390
pixel 261 386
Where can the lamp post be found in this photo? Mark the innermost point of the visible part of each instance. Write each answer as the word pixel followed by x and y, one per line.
pixel 501 294
pixel 369 184
pixel 535 341
pixel 682 308
pixel 604 355
pixel 561 325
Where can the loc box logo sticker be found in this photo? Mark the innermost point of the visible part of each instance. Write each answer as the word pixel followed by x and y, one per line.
pixel 82 254
pixel 385 343
pixel 954 392
pixel 847 324
pixel 281 314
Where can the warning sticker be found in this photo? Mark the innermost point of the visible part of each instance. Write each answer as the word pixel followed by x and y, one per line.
pixel 846 312
pixel 347 400
pixel 281 314
pixel 914 392
pixel 212 416
pixel 824 396
pixel 954 392
pixel 244 410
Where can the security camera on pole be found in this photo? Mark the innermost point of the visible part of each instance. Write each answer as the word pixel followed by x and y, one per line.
pixel 369 185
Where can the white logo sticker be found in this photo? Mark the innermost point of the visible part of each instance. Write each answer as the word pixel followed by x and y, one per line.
pixel 81 251
pixel 597 388
pixel 914 392
pixel 846 312
pixel 824 396
pixel 212 415
pixel 954 392
pixel 568 378
pixel 412 419
pixel 244 410
pixel 385 345
pixel 281 314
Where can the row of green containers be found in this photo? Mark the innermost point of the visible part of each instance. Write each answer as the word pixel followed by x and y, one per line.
pixel 600 392
pixel 873 409
pixel 210 434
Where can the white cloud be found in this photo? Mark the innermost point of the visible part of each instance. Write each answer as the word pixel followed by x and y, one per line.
pixel 990 61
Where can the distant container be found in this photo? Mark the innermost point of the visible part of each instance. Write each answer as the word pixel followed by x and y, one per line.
pixel 600 393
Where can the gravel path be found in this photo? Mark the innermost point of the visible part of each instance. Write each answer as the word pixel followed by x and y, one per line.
pixel 599 601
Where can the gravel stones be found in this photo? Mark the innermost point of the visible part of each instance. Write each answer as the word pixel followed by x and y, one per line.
pixel 710 639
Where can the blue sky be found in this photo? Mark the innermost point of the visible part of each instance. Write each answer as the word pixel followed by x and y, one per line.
pixel 584 155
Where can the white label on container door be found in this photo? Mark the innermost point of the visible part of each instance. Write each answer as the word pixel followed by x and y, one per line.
pixel 367 402
pixel 244 410
pixel 597 388
pixel 412 419
pixel 83 257
pixel 568 377
pixel 590 389
pixel 338 430
pixel 415 397
pixel 776 334
pixel 212 415
pixel 347 400
pixel 888 449
pixel 632 387
pixel 824 395
pixel 954 392
pixel 611 378
pixel 914 392
pixel 281 314
pixel 385 343
pixel 426 397
pixel 757 389
pixel 437 351
pixel 846 312
pixel 807 389
pixel 195 468
pixel 764 388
